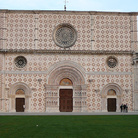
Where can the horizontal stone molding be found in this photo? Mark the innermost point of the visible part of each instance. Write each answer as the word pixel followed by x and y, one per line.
pixel 80 97
pixel 136 91
pixel 3 99
pixel 45 72
pixel 66 51
pixel 109 73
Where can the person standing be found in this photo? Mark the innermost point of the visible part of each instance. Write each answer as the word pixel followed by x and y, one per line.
pixel 126 108
pixel 121 107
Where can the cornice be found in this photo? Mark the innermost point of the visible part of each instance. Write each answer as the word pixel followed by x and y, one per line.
pixel 75 52
pixel 67 12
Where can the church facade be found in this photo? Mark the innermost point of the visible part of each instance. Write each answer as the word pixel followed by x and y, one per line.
pixel 68 61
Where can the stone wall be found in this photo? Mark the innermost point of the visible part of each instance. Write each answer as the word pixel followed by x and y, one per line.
pixel 111 32
pixel 95 69
pixel 99 37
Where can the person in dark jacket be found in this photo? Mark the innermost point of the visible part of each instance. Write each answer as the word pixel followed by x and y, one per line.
pixel 122 107
pixel 126 108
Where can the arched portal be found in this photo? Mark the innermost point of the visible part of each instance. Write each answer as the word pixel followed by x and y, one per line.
pixel 19 96
pixel 111 97
pixel 111 100
pixel 68 70
pixel 20 100
pixel 69 77
pixel 66 96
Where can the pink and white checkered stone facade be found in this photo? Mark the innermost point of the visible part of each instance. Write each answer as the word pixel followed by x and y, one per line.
pixel 100 35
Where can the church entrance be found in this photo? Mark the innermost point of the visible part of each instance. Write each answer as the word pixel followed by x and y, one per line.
pixel 111 103
pixel 20 102
pixel 66 100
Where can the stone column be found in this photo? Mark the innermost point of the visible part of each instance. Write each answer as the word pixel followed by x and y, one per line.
pixel 52 98
pixel 26 104
pixel 119 102
pixel 12 103
pixel 135 77
pixel 104 103
pixel 36 31
pixel 79 98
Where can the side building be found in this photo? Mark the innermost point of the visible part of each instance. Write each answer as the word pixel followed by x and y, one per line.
pixel 68 61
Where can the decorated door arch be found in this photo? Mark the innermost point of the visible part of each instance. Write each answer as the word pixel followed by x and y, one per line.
pixel 66 75
pixel 111 94
pixel 19 96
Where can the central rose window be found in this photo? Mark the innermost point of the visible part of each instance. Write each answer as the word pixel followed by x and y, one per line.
pixel 65 35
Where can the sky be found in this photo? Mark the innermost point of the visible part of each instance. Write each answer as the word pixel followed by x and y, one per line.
pixel 72 5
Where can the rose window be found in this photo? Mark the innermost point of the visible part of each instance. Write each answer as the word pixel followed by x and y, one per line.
pixel 20 62
pixel 65 36
pixel 112 62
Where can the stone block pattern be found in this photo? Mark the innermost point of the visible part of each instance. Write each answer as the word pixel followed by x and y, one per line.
pixel 48 22
pixel 112 32
pixel 136 79
pixel 1 33
pixel 20 31
pixel 1 68
pixel 26 29
pixel 1 62
pixel 134 31
pixel 1 20
pixel 30 31
pixel 0 86
pixel 37 101
pixel 35 31
pixel 99 81
pixel 92 64
pixel 1 29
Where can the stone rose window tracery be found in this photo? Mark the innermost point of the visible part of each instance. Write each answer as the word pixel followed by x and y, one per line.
pixel 65 35
pixel 111 62
pixel 20 61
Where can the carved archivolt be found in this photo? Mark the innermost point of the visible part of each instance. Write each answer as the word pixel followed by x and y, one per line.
pixel 20 85
pixel 68 70
pixel 112 86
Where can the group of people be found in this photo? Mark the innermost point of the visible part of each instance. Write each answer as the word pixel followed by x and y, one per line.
pixel 124 108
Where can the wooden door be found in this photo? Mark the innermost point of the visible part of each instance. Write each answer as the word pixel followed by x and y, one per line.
pixel 111 104
pixel 19 104
pixel 66 101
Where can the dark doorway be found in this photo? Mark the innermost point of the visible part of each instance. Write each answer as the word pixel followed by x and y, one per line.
pixel 20 102
pixel 66 101
pixel 111 104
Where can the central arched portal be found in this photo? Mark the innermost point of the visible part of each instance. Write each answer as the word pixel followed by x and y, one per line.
pixel 66 88
pixel 66 96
